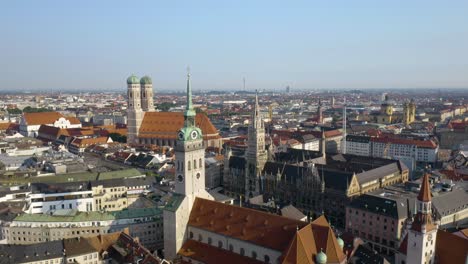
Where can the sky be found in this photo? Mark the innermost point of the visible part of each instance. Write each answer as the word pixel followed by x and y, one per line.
pixel 75 45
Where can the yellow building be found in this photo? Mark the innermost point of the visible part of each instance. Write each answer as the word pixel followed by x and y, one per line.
pixel 409 112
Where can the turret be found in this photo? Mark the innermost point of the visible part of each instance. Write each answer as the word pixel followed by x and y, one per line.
pixel 321 257
pixel 146 94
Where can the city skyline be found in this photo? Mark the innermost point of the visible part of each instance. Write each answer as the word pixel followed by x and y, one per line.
pixel 359 45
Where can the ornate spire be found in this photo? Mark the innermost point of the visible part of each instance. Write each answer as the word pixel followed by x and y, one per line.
pixel 189 113
pixel 256 113
pixel 425 192
pixel 189 92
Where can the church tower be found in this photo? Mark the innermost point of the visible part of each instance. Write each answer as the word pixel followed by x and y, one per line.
pixel 412 111
pixel 406 113
pixel 423 232
pixel 320 112
pixel 134 111
pixel 147 94
pixel 256 153
pixel 189 178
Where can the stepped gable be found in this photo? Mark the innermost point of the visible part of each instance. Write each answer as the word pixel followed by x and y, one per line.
pixel 260 228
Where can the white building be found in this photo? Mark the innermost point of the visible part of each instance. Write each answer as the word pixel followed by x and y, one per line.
pixel 30 122
pixel 358 145
pixel 394 148
pixel 46 199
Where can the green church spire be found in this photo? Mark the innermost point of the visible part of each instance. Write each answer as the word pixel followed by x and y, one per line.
pixel 189 113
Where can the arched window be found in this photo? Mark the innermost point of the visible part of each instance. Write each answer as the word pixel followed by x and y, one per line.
pixel 209 241
pixel 266 259
pixel 220 244
pixel 231 247
pixel 200 238
pixel 194 164
pixel 188 166
pixel 254 255
pixel 200 163
pixel 191 234
pixel 242 252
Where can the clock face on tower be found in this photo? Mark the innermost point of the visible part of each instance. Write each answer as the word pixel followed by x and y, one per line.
pixel 180 135
pixel 194 134
pixel 180 178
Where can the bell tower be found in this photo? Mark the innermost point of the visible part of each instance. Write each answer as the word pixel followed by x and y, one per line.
pixel 147 94
pixel 134 111
pixel 190 153
pixel 189 178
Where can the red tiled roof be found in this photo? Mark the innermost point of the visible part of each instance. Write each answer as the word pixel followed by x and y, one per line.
pixel 49 131
pixel 73 120
pixel 260 228
pixel 205 253
pixel 450 248
pixel 312 239
pixel 84 142
pixel 166 125
pixel 41 118
pixel 5 126
pixel 425 192
pixel 402 141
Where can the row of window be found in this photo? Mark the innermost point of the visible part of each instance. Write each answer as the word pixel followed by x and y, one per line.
pixel 253 254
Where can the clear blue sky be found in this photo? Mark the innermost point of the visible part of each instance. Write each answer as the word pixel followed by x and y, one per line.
pixel 304 44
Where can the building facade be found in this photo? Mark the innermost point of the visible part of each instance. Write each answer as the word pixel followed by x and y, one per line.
pixel 31 122
pixel 146 126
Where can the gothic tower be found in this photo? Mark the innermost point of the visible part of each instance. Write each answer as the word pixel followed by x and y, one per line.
pixel 256 153
pixel 423 232
pixel 134 111
pixel 147 94
pixel 190 180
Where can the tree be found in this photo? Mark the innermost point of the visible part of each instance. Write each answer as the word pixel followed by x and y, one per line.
pixel 116 137
pixel 29 109
pixel 165 106
pixel 14 111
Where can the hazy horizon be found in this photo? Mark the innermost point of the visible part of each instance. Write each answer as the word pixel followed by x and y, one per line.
pixel 90 45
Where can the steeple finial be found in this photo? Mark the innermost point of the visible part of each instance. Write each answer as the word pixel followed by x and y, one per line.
pixel 189 91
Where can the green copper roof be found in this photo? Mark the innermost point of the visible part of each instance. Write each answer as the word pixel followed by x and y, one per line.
pixel 133 80
pixel 189 111
pixel 91 216
pixel 340 242
pixel 146 80
pixel 174 202
pixel 321 258
pixel 189 133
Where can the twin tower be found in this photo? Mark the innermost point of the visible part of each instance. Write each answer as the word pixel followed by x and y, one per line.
pixel 140 100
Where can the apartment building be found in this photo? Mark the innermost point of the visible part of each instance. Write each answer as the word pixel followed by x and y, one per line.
pixel 393 147
pixel 378 220
pixel 145 223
